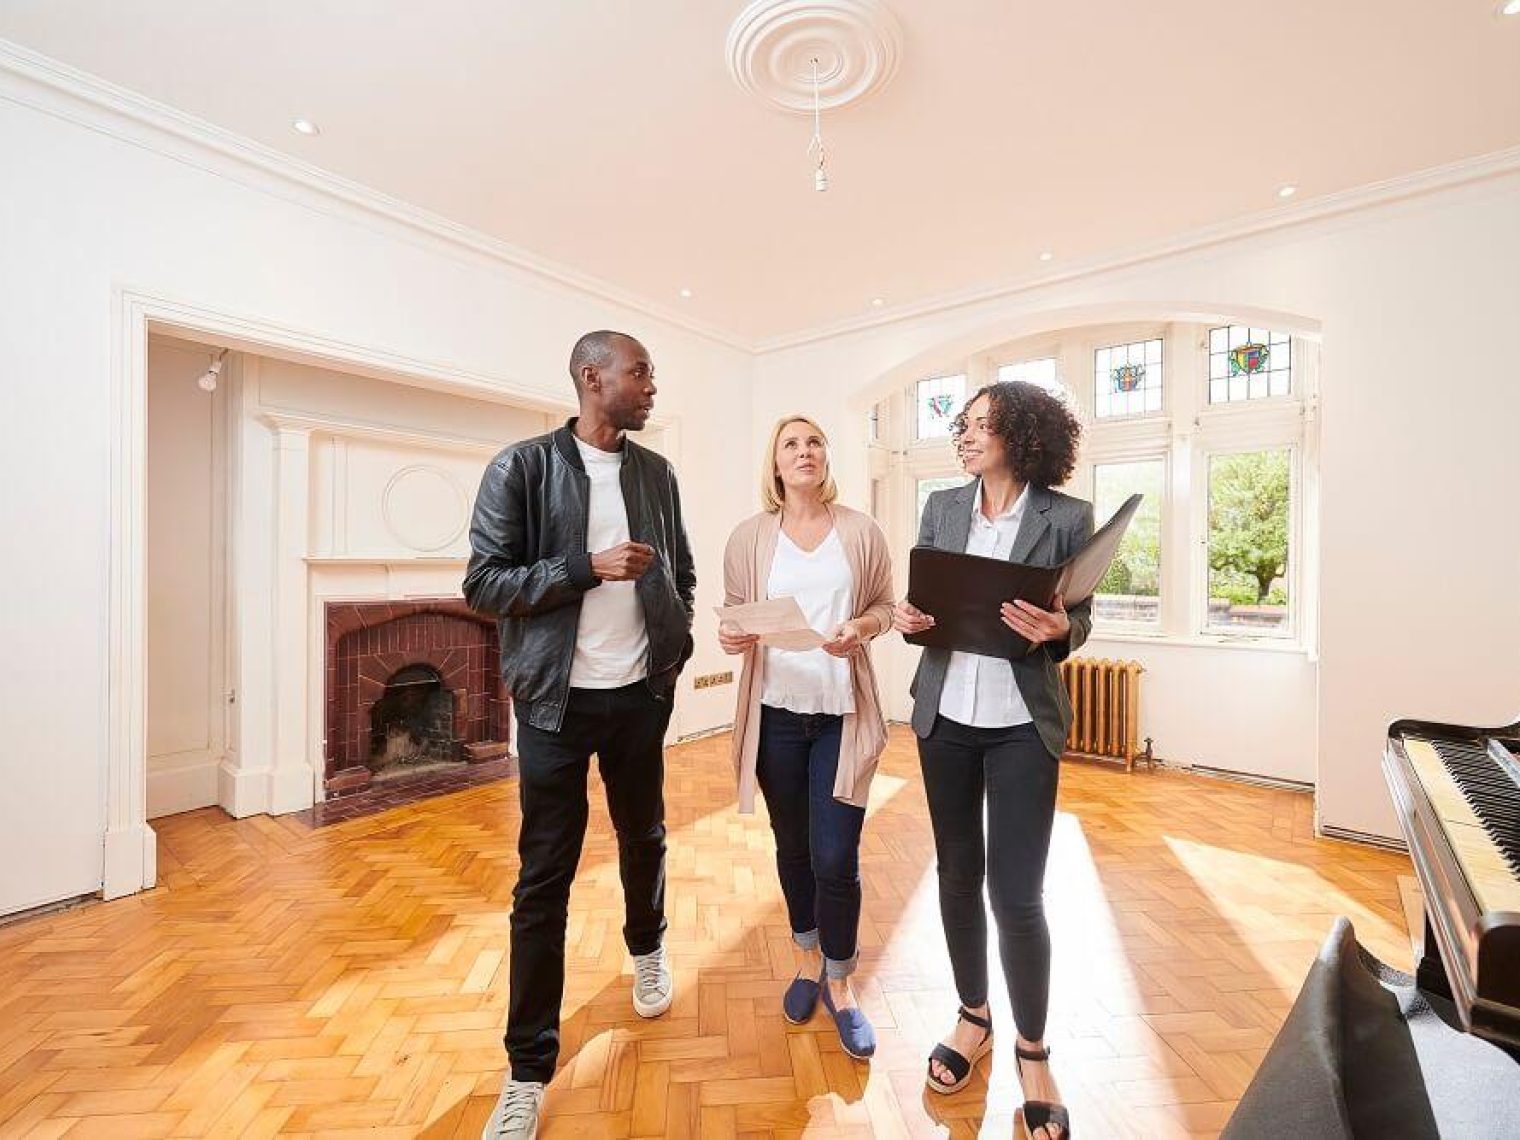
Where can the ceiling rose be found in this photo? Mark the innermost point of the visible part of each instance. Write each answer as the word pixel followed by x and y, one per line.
pixel 773 43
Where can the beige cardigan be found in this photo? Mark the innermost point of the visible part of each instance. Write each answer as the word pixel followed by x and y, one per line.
pixel 746 570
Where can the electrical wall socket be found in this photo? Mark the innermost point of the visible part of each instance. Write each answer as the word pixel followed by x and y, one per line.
pixel 707 680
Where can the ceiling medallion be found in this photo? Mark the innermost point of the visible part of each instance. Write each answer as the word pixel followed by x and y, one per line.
pixel 775 48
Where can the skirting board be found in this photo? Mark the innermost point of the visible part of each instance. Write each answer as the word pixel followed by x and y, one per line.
pixel 240 791
pixel 45 909
pixel 1246 778
pixel 173 790
pixel 703 734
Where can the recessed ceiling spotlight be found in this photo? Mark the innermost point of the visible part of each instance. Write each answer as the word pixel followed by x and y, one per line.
pixel 305 127
pixel 878 302
pixel 686 292
pixel 1510 8
pixel 1046 256
pixel 1287 191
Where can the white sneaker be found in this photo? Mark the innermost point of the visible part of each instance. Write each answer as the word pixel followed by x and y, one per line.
pixel 653 986
pixel 516 1114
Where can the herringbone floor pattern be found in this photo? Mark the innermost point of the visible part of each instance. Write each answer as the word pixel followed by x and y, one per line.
pixel 351 980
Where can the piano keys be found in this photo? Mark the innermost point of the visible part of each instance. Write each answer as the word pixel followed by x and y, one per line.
pixel 1457 792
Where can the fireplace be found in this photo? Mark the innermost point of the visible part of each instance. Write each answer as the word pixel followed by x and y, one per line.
pixel 412 724
pixel 412 687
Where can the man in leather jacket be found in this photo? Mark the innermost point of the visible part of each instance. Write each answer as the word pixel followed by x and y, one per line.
pixel 578 548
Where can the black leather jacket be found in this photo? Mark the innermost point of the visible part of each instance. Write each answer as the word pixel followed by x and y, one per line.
pixel 529 565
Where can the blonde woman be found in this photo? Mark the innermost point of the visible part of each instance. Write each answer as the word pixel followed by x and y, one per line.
pixel 809 729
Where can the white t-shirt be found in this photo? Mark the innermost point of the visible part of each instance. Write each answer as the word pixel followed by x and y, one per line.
pixel 611 643
pixel 810 681
pixel 980 691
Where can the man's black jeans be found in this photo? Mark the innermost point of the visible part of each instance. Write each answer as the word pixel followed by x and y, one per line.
pixel 625 728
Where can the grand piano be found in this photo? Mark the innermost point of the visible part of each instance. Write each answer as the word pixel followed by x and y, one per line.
pixel 1457 791
pixel 1370 1052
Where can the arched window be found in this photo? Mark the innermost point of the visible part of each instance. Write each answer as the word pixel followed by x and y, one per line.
pixel 1212 423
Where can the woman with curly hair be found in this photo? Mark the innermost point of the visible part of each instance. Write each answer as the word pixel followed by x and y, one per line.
pixel 991 729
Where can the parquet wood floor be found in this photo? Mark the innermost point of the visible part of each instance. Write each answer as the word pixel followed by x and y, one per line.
pixel 351 981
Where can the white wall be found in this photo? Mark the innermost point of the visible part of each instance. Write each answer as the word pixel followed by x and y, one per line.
pixel 1244 710
pixel 84 213
pixel 1418 556
pixel 185 575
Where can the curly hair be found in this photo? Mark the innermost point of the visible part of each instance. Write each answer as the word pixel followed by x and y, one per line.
pixel 1038 430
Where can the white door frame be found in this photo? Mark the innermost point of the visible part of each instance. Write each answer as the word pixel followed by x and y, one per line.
pixel 129 847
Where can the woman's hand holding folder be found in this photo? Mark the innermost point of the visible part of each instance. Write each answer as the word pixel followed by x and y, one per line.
pixel 1035 625
pixel 908 618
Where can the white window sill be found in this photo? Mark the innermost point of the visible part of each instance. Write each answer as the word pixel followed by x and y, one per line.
pixel 1200 640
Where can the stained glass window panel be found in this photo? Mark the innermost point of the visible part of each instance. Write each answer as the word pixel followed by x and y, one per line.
pixel 939 402
pixel 1248 364
pixel 1127 379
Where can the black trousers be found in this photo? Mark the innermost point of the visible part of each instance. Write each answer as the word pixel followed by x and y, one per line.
pixel 1010 772
pixel 625 728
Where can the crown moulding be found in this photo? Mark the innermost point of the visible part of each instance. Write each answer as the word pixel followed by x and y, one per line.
pixel 772 45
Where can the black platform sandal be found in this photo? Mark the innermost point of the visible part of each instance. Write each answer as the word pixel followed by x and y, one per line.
pixel 1040 1113
pixel 960 1067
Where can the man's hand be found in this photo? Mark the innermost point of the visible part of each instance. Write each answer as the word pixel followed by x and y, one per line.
pixel 625 562
pixel 1037 626
pixel 908 618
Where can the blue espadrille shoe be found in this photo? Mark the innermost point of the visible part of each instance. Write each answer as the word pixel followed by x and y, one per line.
pixel 801 999
pixel 855 1032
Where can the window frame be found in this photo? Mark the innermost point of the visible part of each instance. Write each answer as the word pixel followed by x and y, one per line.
pixel 917 440
pixel 1089 477
pixel 1053 357
pixel 1290 630
pixel 1295 372
pixel 1097 346
pixel 1184 435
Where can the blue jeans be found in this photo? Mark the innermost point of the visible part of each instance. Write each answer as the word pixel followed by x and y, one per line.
pixel 817 837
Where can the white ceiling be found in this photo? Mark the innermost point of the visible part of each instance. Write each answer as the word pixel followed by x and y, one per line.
pixel 607 135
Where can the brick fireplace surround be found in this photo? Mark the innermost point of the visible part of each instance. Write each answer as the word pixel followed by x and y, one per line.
pixel 369 642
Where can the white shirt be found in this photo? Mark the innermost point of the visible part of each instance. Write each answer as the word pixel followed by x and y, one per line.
pixel 810 681
pixel 611 643
pixel 980 691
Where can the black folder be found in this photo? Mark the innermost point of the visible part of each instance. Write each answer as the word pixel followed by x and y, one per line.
pixel 963 592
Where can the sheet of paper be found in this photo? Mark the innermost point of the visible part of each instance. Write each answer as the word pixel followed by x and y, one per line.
pixel 778 622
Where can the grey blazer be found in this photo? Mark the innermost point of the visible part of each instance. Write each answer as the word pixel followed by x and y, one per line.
pixel 1053 526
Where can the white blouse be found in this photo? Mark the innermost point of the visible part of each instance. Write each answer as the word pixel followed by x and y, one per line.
pixel 980 691
pixel 810 681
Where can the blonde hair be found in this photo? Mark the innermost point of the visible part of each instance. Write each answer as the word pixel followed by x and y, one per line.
pixel 772 490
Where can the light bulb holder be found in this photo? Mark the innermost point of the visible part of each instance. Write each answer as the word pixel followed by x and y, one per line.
pixel 208 378
pixel 820 172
